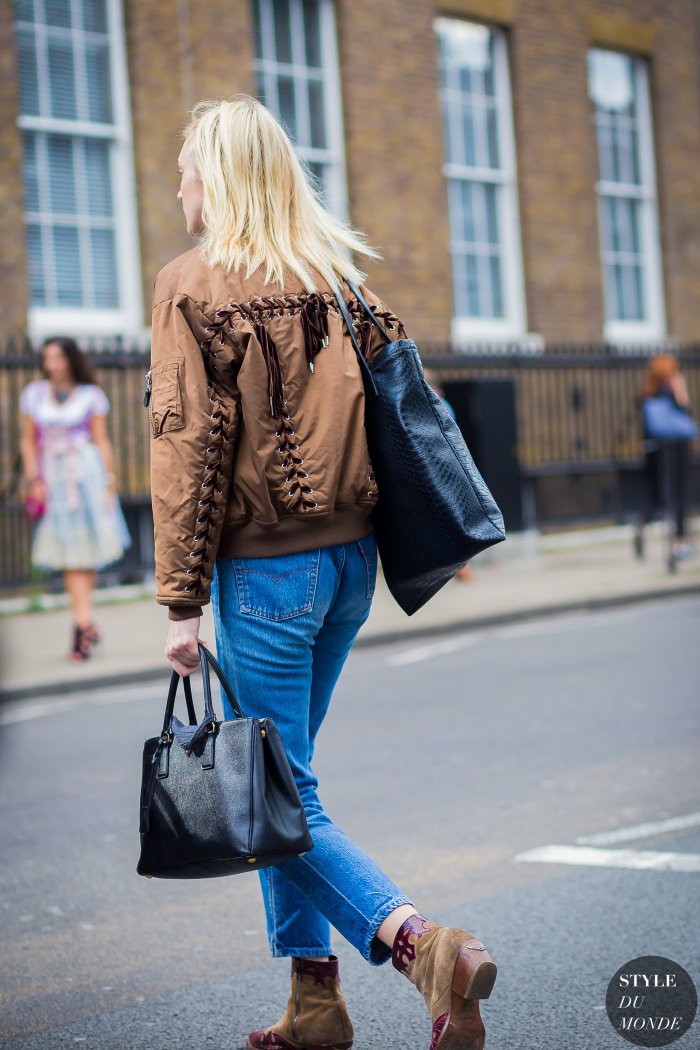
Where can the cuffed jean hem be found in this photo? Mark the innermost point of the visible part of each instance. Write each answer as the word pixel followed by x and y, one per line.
pixel 300 953
pixel 373 950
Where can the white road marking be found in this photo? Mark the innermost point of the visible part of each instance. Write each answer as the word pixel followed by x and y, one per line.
pixel 640 831
pixel 649 860
pixel 27 710
pixel 428 651
pixel 561 624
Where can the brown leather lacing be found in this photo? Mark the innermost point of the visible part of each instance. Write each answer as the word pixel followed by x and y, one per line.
pixel 314 308
pixel 207 506
pixel 364 328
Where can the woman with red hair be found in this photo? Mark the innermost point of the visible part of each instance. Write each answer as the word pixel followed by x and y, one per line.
pixel 664 379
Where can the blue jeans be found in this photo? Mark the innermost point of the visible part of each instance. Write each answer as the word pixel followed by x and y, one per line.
pixel 284 627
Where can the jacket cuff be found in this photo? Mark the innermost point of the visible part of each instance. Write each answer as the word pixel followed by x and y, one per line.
pixel 184 612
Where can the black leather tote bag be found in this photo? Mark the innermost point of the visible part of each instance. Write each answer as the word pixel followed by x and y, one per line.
pixel 434 511
pixel 217 797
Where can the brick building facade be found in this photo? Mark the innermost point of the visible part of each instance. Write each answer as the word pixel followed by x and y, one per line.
pixel 529 168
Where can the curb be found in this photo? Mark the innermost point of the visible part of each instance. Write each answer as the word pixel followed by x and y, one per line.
pixel 149 674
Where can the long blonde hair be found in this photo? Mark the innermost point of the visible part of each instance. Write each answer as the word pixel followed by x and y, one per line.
pixel 258 204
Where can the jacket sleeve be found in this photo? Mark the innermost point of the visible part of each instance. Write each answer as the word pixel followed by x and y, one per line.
pixel 194 414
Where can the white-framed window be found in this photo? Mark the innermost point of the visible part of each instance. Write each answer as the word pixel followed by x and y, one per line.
pixel 80 214
pixel 480 168
pixel 627 202
pixel 298 77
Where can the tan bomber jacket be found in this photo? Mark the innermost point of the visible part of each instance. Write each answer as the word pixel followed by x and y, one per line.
pixel 256 408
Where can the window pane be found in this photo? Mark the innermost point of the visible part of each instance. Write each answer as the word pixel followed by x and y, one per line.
pixel 492 159
pixel 612 81
pixel 99 95
pixel 293 76
pixel 496 283
pixel 472 286
pixel 94 16
pixel 31 173
pixel 66 258
pixel 104 272
pixel 474 222
pixel 27 72
pixel 287 110
pixel 257 25
pixel 24 10
pixel 57 12
pixel 467 63
pixel 490 214
pixel 316 114
pixel 465 189
pixel 621 225
pixel 312 32
pixel 35 265
pixel 468 137
pixel 61 174
pixel 283 30
pixel 98 177
pixel 471 115
pixel 62 78
pixel 632 293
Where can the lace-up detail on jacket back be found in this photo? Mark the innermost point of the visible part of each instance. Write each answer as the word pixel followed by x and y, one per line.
pixel 270 455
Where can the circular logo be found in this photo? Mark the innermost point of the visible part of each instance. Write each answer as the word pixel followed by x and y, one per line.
pixel 651 1001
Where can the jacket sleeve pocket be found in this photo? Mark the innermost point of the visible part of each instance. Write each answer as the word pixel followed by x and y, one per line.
pixel 166 409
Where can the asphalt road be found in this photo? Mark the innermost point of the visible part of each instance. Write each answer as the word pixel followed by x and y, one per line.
pixel 447 760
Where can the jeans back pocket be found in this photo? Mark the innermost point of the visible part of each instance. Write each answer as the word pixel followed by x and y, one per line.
pixel 277 587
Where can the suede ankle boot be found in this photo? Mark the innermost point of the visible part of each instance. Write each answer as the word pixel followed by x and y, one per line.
pixel 316 1017
pixel 452 970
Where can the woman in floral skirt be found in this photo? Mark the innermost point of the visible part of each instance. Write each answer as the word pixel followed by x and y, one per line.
pixel 67 464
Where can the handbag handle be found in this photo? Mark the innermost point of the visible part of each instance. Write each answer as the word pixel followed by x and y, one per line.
pixel 368 310
pixel 368 378
pixel 205 658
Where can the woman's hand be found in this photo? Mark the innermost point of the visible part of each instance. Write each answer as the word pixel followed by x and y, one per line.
pixel 181 645
pixel 37 490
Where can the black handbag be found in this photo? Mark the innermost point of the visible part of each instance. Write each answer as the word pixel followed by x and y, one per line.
pixel 217 797
pixel 434 511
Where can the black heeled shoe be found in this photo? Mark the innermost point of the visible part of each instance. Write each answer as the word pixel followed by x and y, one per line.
pixel 81 644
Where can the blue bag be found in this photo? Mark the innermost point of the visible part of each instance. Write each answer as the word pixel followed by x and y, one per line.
pixel 664 420
pixel 434 510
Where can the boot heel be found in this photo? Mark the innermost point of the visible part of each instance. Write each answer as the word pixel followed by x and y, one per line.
pixel 474 974
pixel 462 1029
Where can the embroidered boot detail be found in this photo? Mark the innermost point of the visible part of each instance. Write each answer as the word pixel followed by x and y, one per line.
pixel 452 970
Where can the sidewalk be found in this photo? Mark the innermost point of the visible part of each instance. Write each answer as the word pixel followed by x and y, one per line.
pixel 528 575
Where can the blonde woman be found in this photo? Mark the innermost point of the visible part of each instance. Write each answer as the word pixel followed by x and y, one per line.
pixel 263 493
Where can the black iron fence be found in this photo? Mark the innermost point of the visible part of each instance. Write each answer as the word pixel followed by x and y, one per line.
pixel 556 433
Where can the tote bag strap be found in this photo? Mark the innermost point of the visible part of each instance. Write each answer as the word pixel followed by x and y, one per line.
pixel 368 378
pixel 368 310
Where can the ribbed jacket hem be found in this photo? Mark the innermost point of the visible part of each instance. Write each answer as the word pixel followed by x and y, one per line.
pixel 291 534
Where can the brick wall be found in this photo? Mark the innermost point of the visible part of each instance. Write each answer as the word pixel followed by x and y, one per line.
pixel 393 138
pixel 178 54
